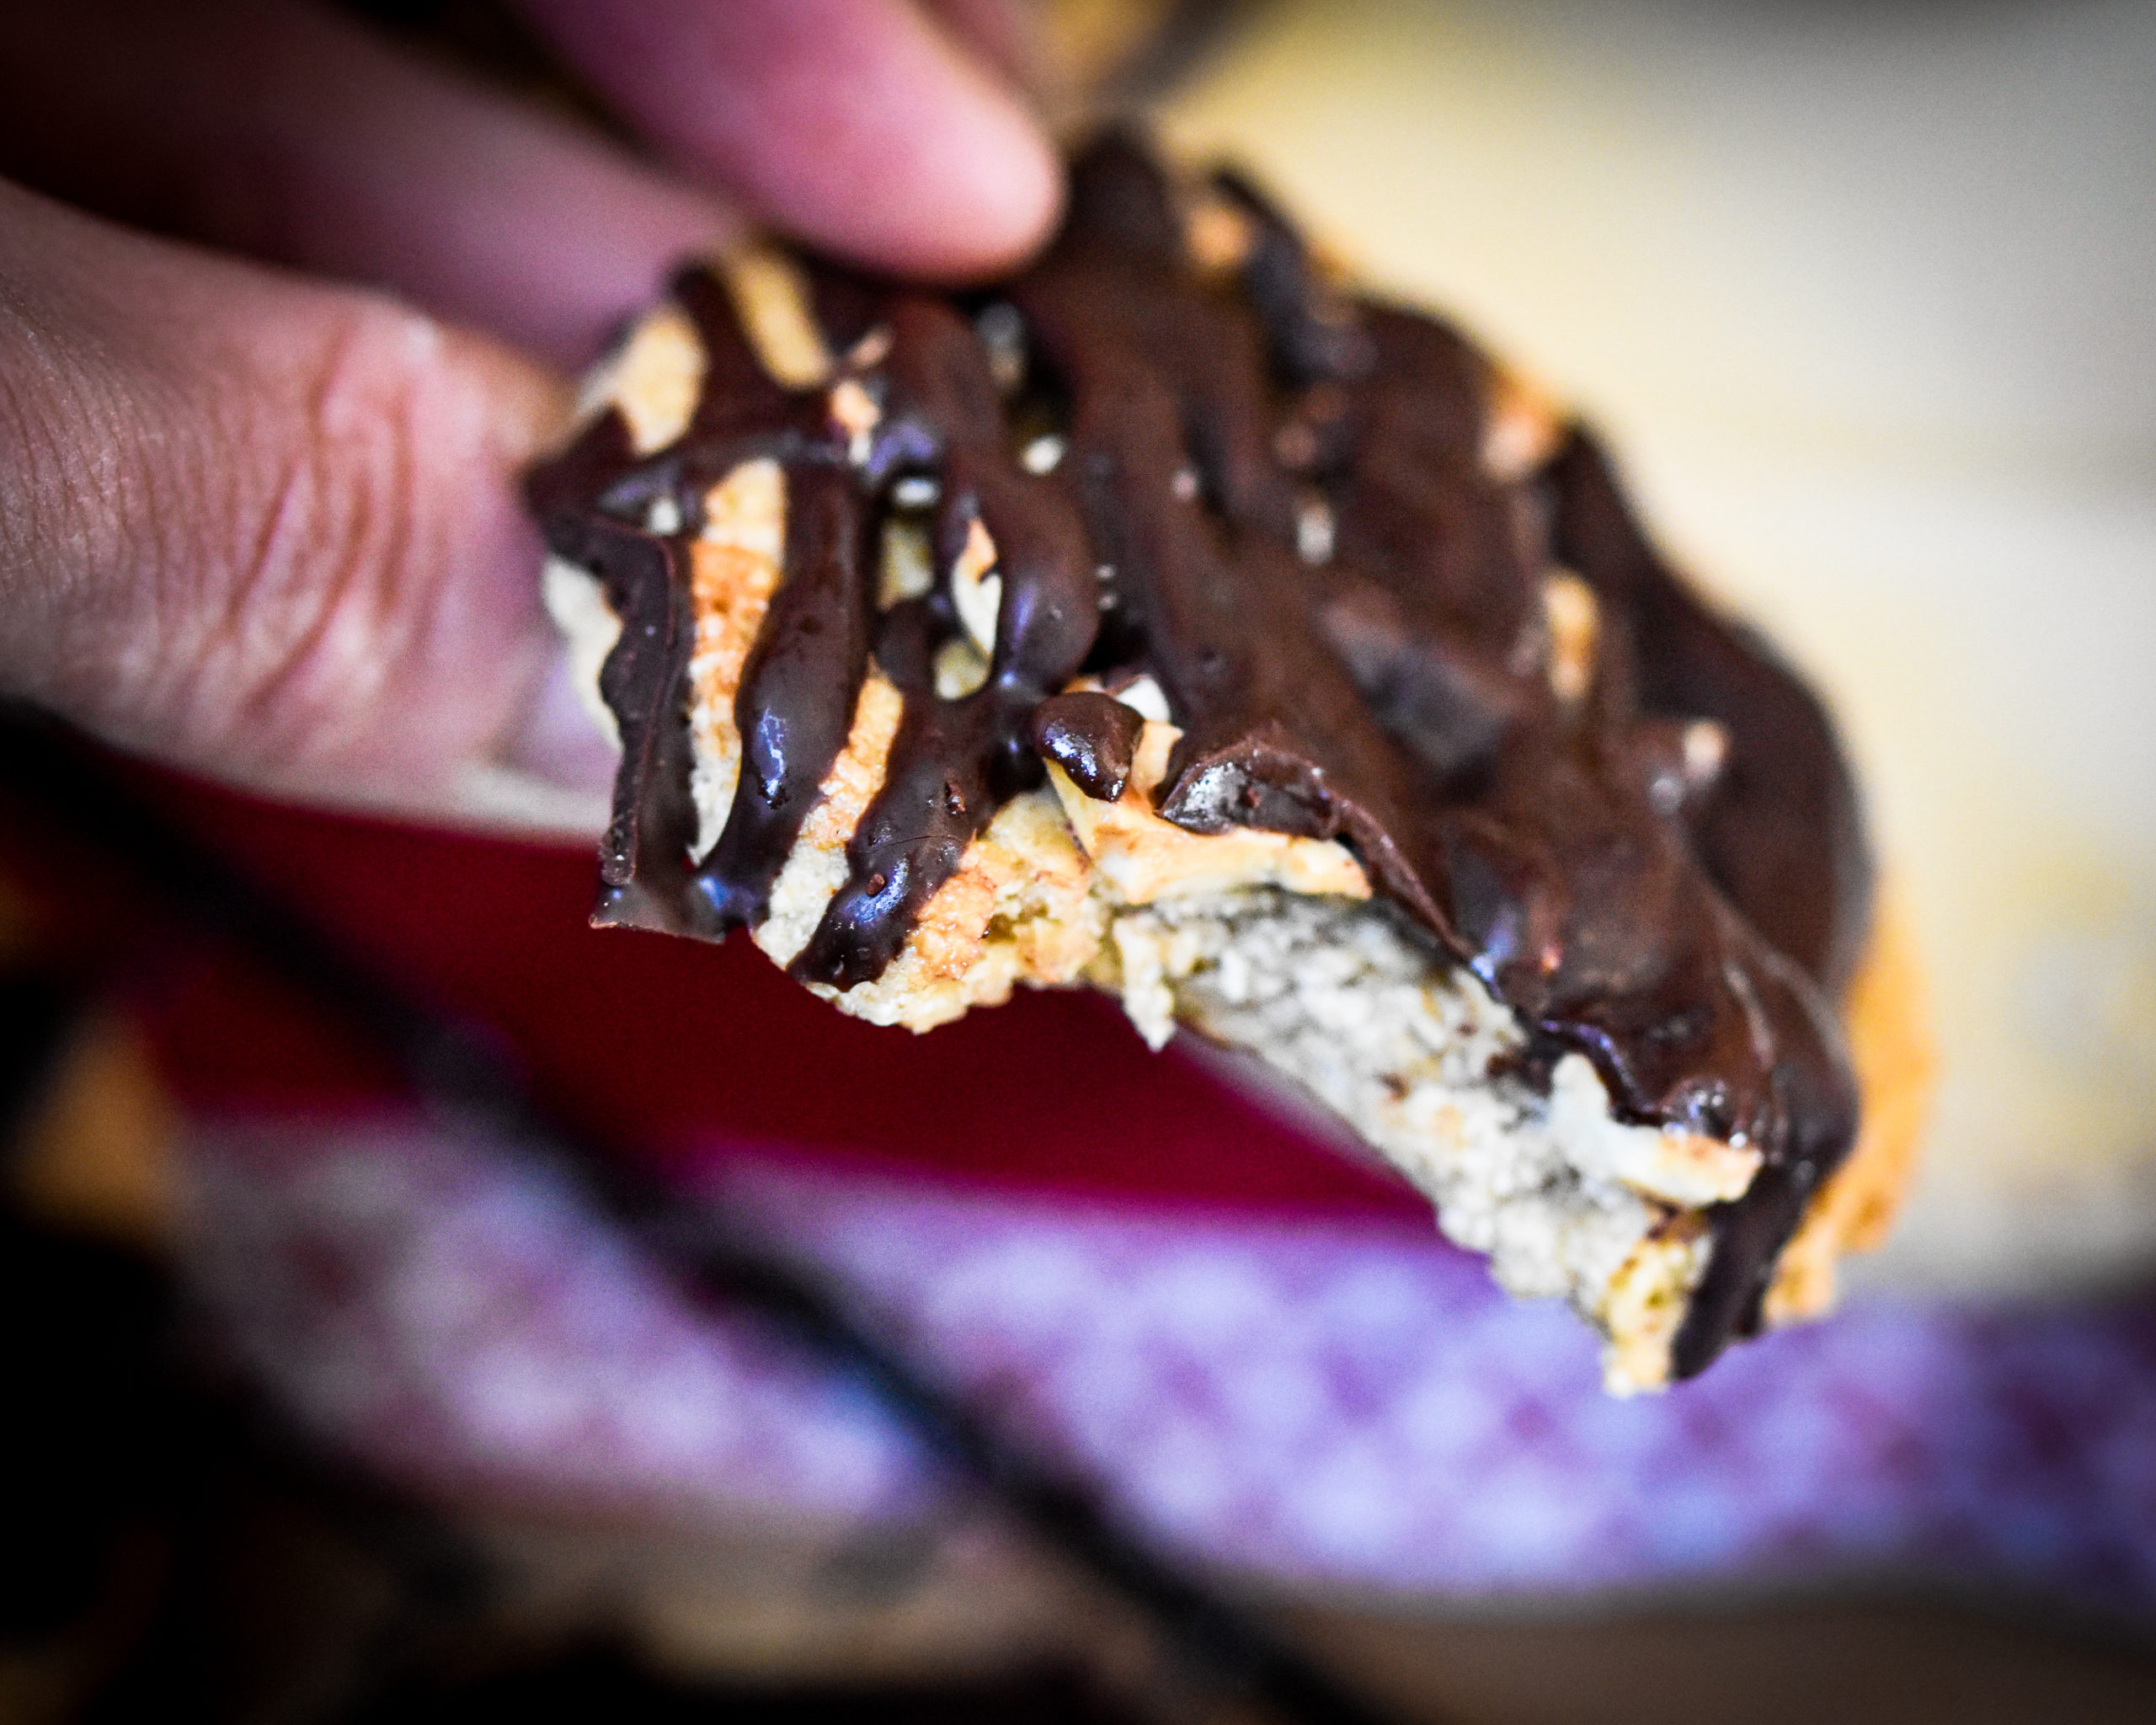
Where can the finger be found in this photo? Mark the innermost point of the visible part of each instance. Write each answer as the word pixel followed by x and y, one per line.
pixel 264 530
pixel 289 134
pixel 858 124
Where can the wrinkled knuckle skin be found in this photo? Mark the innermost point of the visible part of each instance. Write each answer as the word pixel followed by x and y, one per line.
pixel 344 562
pixel 51 481
pixel 328 562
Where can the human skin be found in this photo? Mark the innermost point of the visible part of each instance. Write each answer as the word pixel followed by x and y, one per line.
pixel 285 310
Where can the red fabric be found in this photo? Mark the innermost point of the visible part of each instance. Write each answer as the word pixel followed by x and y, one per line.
pixel 674 1047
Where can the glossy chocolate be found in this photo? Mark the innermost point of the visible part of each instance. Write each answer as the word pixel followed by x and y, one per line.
pixel 1622 813
pixel 1092 737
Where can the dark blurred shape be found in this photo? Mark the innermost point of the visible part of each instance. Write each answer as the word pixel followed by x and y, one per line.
pixel 602 1682
pixel 79 1335
pixel 168 1552
pixel 37 1005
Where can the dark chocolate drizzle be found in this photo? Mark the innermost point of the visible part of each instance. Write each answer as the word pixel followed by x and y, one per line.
pixel 1381 679
pixel 954 763
pixel 813 641
pixel 1092 737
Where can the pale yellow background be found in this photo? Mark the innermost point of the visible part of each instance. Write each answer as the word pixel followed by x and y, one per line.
pixel 1867 297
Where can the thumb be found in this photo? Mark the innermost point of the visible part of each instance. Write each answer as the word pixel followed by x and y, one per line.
pixel 269 531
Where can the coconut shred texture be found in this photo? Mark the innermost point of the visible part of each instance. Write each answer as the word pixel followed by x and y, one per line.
pixel 1172 618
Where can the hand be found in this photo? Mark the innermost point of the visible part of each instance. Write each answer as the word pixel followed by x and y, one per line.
pixel 261 522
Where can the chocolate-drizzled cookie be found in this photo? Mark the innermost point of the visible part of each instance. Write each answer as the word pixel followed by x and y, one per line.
pixel 1170 616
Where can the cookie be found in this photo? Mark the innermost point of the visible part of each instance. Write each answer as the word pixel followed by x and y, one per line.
pixel 1174 619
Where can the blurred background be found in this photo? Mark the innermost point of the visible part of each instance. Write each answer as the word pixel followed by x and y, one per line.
pixel 343 1393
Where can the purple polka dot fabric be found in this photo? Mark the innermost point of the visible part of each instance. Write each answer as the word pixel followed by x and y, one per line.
pixel 1324 1404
